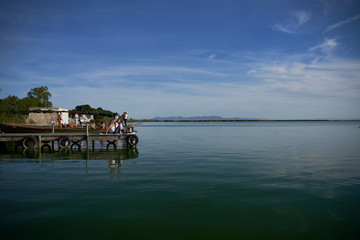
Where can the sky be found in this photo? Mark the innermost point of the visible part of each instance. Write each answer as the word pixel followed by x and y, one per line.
pixel 273 59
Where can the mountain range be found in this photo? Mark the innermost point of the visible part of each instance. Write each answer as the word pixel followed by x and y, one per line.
pixel 198 118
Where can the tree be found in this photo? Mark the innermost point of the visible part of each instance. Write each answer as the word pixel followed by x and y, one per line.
pixel 84 108
pixel 13 109
pixel 42 94
pixel 28 102
pixel 11 102
pixel 100 115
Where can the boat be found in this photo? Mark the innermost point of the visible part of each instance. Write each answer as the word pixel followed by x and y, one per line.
pixel 14 128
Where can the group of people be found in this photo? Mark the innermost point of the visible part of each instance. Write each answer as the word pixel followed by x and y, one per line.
pixel 116 125
pixel 80 119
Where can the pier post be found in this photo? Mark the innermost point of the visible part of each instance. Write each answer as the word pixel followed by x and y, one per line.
pixel 39 143
pixel 87 135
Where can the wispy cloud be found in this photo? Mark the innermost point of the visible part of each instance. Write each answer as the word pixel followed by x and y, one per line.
pixel 300 88
pixel 330 78
pixel 327 46
pixel 281 28
pixel 294 84
pixel 301 17
pixel 296 20
pixel 212 56
pixel 342 23
pixel 327 5
pixel 155 73
pixel 9 38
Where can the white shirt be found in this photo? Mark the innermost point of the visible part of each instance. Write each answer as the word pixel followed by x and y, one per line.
pixel 116 125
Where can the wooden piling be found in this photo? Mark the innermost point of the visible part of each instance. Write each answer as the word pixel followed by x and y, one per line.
pixel 87 135
pixel 39 142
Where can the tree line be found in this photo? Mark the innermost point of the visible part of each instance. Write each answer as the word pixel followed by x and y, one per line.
pixel 14 109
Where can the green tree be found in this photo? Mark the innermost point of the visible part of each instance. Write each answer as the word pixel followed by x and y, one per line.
pixel 100 115
pixel 28 102
pixel 42 94
pixel 84 108
pixel 13 109
pixel 11 103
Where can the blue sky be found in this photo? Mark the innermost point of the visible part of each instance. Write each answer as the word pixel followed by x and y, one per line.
pixel 274 59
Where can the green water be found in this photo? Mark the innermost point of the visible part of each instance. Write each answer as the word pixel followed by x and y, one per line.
pixel 287 180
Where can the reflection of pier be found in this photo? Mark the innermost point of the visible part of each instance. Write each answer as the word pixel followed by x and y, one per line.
pixel 41 141
pixel 71 155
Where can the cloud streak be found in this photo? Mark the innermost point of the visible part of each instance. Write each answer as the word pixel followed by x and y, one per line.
pixel 297 19
pixel 342 23
pixel 327 46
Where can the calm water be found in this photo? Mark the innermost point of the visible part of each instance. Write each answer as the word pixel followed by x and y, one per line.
pixel 287 180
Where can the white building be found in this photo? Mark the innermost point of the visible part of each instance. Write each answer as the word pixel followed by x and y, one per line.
pixel 46 119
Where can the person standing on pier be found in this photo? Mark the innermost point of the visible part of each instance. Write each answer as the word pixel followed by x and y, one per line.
pixel 76 119
pixel 125 117
pixel 59 119
pixel 117 116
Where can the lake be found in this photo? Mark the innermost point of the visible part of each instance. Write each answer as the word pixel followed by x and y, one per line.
pixel 209 180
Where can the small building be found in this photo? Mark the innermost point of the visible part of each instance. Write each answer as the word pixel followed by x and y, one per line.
pixel 47 118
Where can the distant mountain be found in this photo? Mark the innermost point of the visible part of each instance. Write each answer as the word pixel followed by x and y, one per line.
pixel 219 118
pixel 197 118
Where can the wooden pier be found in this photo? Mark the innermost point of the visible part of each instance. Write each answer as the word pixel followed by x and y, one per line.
pixel 48 140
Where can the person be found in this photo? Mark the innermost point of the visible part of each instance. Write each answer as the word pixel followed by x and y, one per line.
pixel 111 128
pixel 60 120
pixel 76 119
pixel 81 120
pixel 102 125
pixel 92 124
pixel 125 117
pixel 117 116
pixel 118 126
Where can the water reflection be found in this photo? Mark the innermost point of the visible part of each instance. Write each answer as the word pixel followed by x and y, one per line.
pixel 115 166
pixel 115 163
pixel 113 156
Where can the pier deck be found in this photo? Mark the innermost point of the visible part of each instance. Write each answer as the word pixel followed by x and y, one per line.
pixel 38 140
